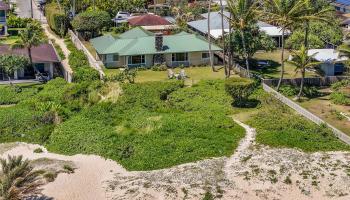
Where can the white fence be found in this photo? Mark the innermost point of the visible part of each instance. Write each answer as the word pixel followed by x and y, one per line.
pixel 342 136
pixel 79 45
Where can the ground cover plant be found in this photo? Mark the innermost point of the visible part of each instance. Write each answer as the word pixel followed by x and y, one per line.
pixel 152 125
pixel 278 126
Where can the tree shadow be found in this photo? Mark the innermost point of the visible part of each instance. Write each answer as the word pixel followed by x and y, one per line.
pixel 272 68
pixel 249 103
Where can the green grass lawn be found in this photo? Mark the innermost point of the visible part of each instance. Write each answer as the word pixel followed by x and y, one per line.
pixel 8 40
pixel 274 71
pixel 195 74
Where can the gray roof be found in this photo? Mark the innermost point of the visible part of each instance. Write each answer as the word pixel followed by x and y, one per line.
pixel 215 22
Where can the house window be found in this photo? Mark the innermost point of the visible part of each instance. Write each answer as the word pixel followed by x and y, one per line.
pixel 179 57
pixel 137 60
pixel 112 58
pixel 205 55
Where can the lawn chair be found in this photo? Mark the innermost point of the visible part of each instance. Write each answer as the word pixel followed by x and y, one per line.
pixel 182 75
pixel 171 74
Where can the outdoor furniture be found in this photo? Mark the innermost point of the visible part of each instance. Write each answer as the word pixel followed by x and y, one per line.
pixel 171 74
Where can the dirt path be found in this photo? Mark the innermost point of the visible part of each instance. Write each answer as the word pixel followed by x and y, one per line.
pixel 60 42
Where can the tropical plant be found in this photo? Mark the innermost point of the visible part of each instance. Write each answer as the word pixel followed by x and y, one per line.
pixel 11 63
pixel 243 13
pixel 240 89
pixel 30 37
pixel 18 180
pixel 302 61
pixel 286 14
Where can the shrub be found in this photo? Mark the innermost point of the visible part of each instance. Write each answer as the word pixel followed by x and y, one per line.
pixel 56 19
pixel 340 98
pixel 240 89
pixel 50 176
pixel 338 85
pixel 14 21
pixel 288 90
pixel 38 150
pixel 91 21
pixel 161 67
pixel 69 169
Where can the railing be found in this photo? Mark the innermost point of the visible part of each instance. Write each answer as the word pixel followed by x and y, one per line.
pixel 180 63
pixel 342 136
pixel 79 45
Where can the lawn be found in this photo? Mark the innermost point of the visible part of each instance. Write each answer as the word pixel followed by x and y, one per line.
pixel 274 71
pixel 195 74
pixel 327 110
pixel 279 126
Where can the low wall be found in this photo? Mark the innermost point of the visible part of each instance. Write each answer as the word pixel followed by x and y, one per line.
pixel 342 136
pixel 79 45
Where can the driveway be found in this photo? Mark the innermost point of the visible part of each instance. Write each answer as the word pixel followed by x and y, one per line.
pixel 23 10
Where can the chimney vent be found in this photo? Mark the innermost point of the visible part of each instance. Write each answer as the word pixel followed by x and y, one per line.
pixel 159 41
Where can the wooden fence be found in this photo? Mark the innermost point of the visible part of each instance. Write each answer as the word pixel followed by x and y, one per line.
pixel 315 81
pixel 79 45
pixel 342 136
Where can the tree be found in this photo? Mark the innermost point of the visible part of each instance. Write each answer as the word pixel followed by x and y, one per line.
pixel 302 61
pixel 255 40
pixel 18 180
pixel 30 37
pixel 211 59
pixel 227 71
pixel 286 14
pixel 243 14
pixel 11 63
pixel 320 35
pixel 91 21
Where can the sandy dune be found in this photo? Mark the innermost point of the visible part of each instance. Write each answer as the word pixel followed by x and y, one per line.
pixel 252 172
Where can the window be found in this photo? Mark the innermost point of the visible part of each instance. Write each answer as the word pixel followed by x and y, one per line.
pixel 136 60
pixel 115 57
pixel 205 55
pixel 179 57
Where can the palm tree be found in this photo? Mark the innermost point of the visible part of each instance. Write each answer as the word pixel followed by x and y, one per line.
pixel 302 61
pixel 227 71
pixel 243 13
pixel 30 37
pixel 18 180
pixel 286 14
pixel 211 59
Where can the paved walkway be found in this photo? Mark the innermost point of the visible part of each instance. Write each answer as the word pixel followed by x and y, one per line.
pixel 19 82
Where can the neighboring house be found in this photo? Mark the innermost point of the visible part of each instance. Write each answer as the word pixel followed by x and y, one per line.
pixel 139 47
pixel 152 23
pixel 45 60
pixel 342 6
pixel 3 24
pixel 201 26
pixel 332 62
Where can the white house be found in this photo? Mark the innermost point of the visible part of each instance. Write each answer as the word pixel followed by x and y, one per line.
pixel 332 61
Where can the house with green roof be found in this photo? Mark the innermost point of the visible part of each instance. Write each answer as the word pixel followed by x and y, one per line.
pixel 138 47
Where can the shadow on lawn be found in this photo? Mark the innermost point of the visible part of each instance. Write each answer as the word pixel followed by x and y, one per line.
pixel 250 103
pixel 266 72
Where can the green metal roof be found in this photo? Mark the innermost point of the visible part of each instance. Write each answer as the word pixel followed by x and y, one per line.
pixel 141 42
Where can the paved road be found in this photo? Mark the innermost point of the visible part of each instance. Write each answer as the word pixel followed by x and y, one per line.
pixel 23 10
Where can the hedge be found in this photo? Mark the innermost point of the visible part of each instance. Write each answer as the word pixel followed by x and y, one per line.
pixel 56 19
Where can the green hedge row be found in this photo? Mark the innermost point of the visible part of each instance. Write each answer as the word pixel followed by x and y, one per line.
pixel 56 19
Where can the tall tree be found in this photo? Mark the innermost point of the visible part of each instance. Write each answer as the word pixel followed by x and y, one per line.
pixel 286 14
pixel 31 36
pixel 302 61
pixel 18 180
pixel 227 71
pixel 11 63
pixel 211 59
pixel 243 15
